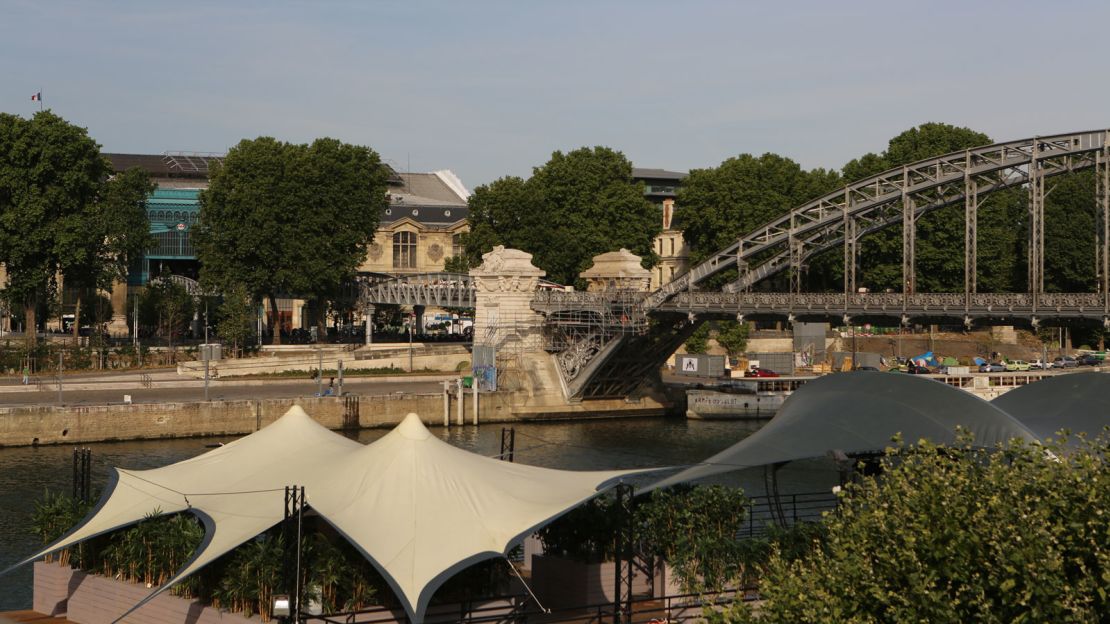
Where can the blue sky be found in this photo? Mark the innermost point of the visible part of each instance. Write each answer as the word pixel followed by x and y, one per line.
pixel 492 88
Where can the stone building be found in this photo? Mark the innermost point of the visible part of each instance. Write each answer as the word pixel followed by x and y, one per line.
pixel 661 188
pixel 421 227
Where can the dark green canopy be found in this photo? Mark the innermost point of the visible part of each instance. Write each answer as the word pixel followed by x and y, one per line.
pixel 860 412
pixel 1078 402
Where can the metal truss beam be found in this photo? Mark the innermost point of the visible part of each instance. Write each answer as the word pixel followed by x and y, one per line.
pixel 971 235
pixel 932 183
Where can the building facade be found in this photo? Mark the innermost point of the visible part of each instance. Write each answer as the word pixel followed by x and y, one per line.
pixel 661 188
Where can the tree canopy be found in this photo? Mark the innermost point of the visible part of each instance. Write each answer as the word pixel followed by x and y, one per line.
pixel 575 206
pixel 719 204
pixel 60 211
pixel 953 535
pixel 289 219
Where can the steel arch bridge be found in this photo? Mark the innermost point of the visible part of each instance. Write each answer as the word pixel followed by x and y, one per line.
pixel 600 360
pixel 894 198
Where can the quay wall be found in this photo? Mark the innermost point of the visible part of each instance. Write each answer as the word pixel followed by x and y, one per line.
pixel 48 424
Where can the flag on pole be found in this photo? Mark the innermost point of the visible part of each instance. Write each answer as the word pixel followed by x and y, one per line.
pixel 37 97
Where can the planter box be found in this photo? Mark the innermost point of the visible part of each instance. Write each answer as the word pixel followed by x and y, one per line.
pixel 90 599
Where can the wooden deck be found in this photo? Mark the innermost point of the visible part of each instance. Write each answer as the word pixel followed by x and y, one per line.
pixel 29 617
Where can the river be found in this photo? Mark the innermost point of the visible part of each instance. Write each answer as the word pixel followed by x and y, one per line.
pixel 25 473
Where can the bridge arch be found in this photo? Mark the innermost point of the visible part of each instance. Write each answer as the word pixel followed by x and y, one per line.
pixel 900 196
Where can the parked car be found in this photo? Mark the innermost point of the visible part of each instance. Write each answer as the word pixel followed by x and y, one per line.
pixel 1064 361
pixel 992 367
pixel 1017 365
pixel 1089 360
pixel 762 372
pixel 1037 364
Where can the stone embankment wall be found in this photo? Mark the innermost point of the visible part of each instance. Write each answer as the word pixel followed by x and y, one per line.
pixel 27 426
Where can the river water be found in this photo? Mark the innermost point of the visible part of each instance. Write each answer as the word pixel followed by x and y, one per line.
pixel 25 473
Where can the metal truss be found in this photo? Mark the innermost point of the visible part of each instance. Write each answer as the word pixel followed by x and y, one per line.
pixel 453 290
pixel 915 306
pixel 896 196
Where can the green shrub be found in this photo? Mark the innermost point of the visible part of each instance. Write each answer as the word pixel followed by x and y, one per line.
pixel 1021 534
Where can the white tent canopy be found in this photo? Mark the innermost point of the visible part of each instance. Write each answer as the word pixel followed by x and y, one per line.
pixel 420 509
pixel 860 412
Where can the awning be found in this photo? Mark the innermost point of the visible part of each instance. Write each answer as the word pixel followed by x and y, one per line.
pixel 420 509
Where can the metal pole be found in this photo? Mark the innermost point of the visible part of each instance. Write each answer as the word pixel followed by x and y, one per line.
pixel 909 232
pixel 297 582
pixel 369 325
pixel 59 377
pixel 319 371
pixel 135 324
pixel 459 408
pixel 446 403
pixel 474 398
pixel 971 228
pixel 207 356
pixel 411 321
pixel 339 366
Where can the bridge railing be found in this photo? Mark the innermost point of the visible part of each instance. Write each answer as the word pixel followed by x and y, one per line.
pixel 1025 305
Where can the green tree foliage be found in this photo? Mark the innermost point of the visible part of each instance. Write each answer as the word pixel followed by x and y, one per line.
pixel 956 535
pixel 60 212
pixel 717 205
pixel 97 245
pixel 694 529
pixel 289 218
pixel 237 317
pixel 168 307
pixel 698 342
pixel 940 234
pixel 576 206
pixel 733 337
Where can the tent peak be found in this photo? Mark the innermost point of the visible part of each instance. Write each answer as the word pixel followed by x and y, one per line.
pixel 296 412
pixel 412 428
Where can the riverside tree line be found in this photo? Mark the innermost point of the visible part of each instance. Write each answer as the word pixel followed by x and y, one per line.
pixel 285 219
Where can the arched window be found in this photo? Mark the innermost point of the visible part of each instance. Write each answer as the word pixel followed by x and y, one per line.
pixel 404 250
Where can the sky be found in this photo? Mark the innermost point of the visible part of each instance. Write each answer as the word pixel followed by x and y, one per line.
pixel 489 89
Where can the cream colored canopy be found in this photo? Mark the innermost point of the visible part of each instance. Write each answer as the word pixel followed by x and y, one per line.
pixel 420 509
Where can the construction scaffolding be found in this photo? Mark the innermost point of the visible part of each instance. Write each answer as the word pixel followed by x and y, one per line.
pixel 574 318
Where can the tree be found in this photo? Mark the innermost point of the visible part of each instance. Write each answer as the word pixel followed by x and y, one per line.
pixel 698 342
pixel 289 219
pixel 958 535
pixel 718 205
pixel 940 234
pixel 98 244
pixel 733 337
pixel 51 177
pixel 169 306
pixel 236 314
pixel 575 206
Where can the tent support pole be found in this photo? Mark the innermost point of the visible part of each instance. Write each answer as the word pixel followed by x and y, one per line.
pixel 622 556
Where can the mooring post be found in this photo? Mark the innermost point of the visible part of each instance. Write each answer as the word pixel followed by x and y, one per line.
pixel 446 403
pixel 459 411
pixel 474 398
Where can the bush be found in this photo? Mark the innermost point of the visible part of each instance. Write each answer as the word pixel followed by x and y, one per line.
pixel 1021 534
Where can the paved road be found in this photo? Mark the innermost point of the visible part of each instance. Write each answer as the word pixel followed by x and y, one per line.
pixel 193 390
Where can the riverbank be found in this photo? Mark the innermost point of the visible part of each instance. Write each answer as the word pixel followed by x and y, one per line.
pixel 47 425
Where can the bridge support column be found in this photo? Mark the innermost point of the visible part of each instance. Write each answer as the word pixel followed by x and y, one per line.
pixel 1036 228
pixel 418 316
pixel 909 236
pixel 796 251
pixel 368 311
pixel 1102 223
pixel 971 227
pixel 505 284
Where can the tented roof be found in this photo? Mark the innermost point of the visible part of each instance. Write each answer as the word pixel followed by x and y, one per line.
pixel 860 412
pixel 1078 402
pixel 418 508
